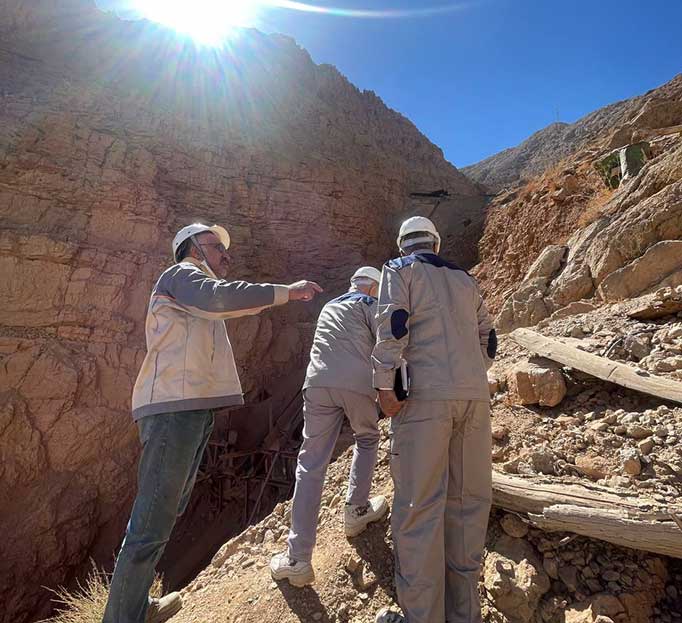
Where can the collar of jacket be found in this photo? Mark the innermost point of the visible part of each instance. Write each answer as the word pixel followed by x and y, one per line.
pixel 201 266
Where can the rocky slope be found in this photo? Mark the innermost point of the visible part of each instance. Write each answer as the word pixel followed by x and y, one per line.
pixel 549 146
pixel 577 429
pixel 112 136
pixel 563 236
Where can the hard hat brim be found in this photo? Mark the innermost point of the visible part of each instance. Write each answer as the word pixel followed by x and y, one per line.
pixel 222 234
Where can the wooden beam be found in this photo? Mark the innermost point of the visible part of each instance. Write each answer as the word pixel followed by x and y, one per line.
pixel 533 494
pixel 593 511
pixel 602 368
pixel 658 537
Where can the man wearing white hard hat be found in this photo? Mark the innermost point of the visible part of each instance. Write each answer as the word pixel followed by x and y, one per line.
pixel 338 384
pixel 431 316
pixel 189 371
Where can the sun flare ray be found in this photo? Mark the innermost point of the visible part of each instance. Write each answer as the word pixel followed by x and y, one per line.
pixel 211 22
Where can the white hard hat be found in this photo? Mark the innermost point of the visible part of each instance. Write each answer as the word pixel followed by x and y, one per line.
pixel 417 224
pixel 367 272
pixel 198 228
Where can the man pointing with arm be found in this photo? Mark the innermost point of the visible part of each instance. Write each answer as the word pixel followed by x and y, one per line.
pixel 188 371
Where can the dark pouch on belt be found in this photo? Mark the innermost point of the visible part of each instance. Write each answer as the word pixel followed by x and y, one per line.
pixel 401 386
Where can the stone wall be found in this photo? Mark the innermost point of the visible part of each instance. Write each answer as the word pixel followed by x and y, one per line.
pixel 112 136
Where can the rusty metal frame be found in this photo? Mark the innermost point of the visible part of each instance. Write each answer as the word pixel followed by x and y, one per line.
pixel 228 468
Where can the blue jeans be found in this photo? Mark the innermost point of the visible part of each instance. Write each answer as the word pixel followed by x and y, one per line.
pixel 172 447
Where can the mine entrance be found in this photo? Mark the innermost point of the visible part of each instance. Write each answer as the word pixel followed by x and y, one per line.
pixel 248 467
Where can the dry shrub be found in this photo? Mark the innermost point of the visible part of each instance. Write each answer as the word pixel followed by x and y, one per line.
pixel 594 207
pixel 548 181
pixel 87 602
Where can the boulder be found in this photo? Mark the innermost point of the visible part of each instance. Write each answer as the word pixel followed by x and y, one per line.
pixel 528 305
pixel 600 608
pixel 660 265
pixel 636 431
pixel 632 466
pixel 541 461
pixel 573 284
pixel 538 381
pixel 638 345
pixel 515 579
pixel 499 432
pixel 568 574
pixel 513 526
pixel 592 465
pixel 630 461
pixel 548 263
pixel 646 445
pixel 639 607
pixel 525 307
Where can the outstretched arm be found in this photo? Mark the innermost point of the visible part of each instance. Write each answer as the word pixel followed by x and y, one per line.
pixel 218 299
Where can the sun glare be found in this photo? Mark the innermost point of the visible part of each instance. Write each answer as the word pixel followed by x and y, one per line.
pixel 207 21
pixel 211 22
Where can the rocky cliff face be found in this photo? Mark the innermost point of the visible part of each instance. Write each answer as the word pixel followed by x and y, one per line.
pixel 632 249
pixel 564 236
pixel 112 136
pixel 558 141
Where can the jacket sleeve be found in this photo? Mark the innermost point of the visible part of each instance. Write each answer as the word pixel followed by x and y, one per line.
pixel 486 332
pixel 371 318
pixel 217 299
pixel 393 314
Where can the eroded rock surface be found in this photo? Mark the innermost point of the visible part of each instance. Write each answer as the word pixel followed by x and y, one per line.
pixel 632 249
pixel 112 136
pixel 515 579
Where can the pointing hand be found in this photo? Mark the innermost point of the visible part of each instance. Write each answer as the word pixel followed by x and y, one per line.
pixel 303 291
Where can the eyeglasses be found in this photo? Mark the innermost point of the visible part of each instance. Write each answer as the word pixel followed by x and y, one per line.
pixel 218 246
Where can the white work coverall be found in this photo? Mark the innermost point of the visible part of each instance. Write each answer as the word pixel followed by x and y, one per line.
pixel 430 313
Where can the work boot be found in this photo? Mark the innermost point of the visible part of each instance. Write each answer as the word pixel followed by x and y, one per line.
pixel 356 517
pixel 298 572
pixel 386 615
pixel 160 610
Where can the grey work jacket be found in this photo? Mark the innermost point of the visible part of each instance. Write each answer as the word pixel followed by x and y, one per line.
pixel 431 313
pixel 189 363
pixel 342 347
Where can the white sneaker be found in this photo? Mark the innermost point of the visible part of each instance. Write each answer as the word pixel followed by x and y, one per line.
pixel 386 615
pixel 357 517
pixel 160 610
pixel 298 573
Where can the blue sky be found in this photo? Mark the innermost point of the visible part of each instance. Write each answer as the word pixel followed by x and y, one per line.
pixel 484 77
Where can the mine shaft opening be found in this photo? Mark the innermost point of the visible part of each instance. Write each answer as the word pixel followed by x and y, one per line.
pixel 249 466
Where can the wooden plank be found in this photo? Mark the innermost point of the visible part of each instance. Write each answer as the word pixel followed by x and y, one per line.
pixel 602 368
pixel 614 527
pixel 534 494
pixel 593 511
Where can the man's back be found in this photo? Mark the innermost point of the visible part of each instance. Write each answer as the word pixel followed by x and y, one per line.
pixel 431 311
pixel 342 347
